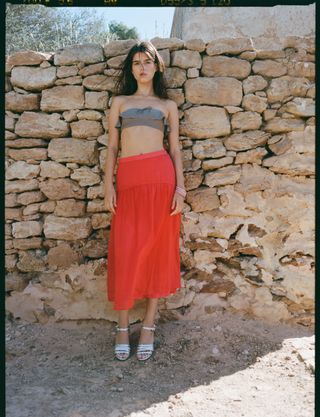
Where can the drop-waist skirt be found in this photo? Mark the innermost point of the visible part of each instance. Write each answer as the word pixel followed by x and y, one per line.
pixel 143 247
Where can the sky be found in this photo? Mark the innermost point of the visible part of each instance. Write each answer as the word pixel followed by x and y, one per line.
pixel 149 21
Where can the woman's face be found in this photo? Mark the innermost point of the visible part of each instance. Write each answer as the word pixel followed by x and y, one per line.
pixel 143 67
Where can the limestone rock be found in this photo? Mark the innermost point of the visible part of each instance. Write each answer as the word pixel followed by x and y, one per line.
pixel 89 53
pixel 174 77
pixel 41 125
pixel 167 43
pixel 269 68
pixel 302 69
pixel 210 164
pixel 29 243
pixel 65 71
pixel 99 82
pixel 51 169
pixel 100 220
pixel 291 164
pixel 33 79
pixel 279 144
pixel 86 128
pixel 13 214
pixel 95 248
pixel 96 206
pixel 25 229
pixel 165 55
pixel 85 176
pixel 247 140
pixel 93 69
pixel 27 58
pixel 253 156
pixel 22 170
pixel 223 66
pixel 73 150
pixel 32 154
pixel 205 121
pixel 70 115
pixel 70 208
pixel 118 47
pixel 89 115
pixel 299 106
pixel 283 87
pixel 186 59
pixel 223 176
pixel 195 45
pixel 209 148
pixel 254 83
pixel 18 186
pixel 62 256
pixel 22 102
pixel 232 46
pixel 10 200
pixel 60 188
pixel 71 228
pixel 69 81
pixel 116 61
pixel 203 199
pixel 255 178
pixel 30 197
pixel 219 91
pixel 62 98
pixel 254 103
pixel 96 100
pixel 30 262
pixel 95 192
pixel 303 141
pixel 247 120
pixel 280 125
pixel 193 180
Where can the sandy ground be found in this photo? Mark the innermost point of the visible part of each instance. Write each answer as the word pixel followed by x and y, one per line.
pixel 225 365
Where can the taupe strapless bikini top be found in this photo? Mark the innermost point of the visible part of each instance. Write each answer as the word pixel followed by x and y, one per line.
pixel 147 116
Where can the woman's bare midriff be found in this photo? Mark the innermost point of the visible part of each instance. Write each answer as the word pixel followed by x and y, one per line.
pixel 137 140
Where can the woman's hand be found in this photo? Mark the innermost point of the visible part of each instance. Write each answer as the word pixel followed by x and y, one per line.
pixel 110 199
pixel 177 203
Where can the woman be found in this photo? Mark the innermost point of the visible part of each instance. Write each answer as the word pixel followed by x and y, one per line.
pixel 143 248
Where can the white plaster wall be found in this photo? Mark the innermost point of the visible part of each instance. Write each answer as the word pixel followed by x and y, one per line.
pixel 277 22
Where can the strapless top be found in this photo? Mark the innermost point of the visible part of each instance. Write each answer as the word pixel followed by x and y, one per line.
pixel 146 116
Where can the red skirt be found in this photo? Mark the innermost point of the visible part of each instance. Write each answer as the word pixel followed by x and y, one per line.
pixel 143 247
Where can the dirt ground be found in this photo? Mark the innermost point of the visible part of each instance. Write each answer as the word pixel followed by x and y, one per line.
pixel 225 366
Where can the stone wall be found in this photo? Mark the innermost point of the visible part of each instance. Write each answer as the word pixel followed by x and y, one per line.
pixel 247 134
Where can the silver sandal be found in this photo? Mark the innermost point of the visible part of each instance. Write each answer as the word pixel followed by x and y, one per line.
pixel 145 350
pixel 122 350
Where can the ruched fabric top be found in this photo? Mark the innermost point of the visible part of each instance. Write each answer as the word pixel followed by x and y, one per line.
pixel 146 116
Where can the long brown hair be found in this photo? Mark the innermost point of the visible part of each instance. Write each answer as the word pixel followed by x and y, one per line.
pixel 126 84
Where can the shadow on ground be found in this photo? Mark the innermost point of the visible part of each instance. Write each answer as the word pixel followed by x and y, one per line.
pixel 225 365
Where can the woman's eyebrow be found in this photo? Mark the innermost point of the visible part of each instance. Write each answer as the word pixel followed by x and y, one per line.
pixel 138 60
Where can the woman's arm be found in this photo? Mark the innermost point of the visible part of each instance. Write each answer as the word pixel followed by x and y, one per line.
pixel 173 137
pixel 113 142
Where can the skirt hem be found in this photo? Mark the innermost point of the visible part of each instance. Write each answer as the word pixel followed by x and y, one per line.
pixel 145 296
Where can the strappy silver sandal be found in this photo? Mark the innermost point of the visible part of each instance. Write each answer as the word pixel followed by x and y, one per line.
pixel 122 350
pixel 145 350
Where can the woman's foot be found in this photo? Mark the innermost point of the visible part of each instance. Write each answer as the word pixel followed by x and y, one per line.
pixel 145 346
pixel 122 346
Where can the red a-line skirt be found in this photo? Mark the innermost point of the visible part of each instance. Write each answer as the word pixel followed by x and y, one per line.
pixel 143 247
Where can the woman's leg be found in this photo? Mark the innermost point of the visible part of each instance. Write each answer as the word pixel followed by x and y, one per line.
pixel 123 321
pixel 146 336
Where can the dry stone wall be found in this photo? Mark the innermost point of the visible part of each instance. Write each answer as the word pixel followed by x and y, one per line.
pixel 247 135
